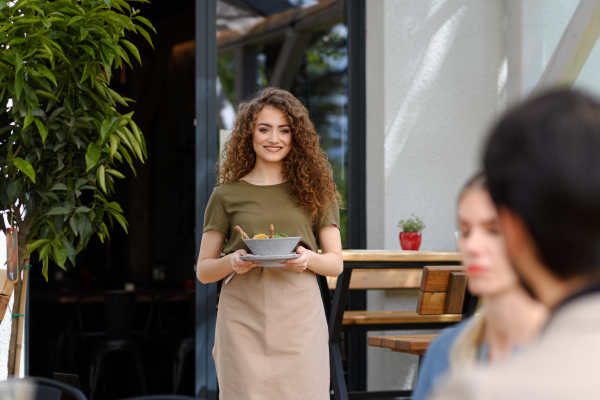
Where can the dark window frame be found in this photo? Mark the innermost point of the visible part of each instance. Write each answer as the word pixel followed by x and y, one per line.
pixel 355 11
pixel 206 157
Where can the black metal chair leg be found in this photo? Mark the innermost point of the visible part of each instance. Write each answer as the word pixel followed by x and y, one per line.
pixel 419 362
pixel 176 376
pixel 140 372
pixel 95 373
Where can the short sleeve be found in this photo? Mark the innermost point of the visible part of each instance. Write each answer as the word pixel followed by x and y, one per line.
pixel 331 217
pixel 215 216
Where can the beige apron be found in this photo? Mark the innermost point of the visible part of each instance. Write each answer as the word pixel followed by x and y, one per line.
pixel 271 340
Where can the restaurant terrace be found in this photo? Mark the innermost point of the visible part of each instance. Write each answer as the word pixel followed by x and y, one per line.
pixel 402 94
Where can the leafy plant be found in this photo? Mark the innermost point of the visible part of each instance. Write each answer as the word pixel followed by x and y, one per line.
pixel 61 136
pixel 412 224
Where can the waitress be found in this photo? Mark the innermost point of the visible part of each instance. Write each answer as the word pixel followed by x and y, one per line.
pixel 271 339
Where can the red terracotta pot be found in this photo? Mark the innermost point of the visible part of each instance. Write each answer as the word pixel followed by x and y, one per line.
pixel 410 240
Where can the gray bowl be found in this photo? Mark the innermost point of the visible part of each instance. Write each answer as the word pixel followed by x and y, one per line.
pixel 272 247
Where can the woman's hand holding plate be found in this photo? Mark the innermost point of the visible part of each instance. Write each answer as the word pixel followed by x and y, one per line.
pixel 240 266
pixel 301 263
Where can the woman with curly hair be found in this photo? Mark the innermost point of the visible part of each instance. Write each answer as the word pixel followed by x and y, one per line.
pixel 271 339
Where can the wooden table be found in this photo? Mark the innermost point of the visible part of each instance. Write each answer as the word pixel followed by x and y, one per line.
pixel 404 344
pixel 408 344
pixel 371 259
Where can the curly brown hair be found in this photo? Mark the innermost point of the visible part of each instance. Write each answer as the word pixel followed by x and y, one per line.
pixel 305 168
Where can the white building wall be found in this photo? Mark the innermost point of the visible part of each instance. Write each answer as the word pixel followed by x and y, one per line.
pixel 436 74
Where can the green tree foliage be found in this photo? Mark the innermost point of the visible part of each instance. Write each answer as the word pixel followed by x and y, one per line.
pixel 62 139
pixel 226 72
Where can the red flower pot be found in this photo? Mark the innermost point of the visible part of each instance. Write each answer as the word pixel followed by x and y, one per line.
pixel 410 240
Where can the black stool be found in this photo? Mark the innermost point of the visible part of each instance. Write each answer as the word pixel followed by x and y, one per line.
pixel 119 311
pixel 180 334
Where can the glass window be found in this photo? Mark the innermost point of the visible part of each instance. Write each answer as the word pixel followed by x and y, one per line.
pixel 327 101
pixel 320 84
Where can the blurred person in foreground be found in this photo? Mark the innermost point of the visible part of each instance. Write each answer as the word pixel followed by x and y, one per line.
pixel 509 318
pixel 543 171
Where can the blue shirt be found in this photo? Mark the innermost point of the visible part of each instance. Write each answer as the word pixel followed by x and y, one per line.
pixel 436 360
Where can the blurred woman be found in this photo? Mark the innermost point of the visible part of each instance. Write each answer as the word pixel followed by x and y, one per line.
pixel 508 319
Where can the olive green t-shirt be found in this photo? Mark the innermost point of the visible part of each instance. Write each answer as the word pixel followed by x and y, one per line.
pixel 254 208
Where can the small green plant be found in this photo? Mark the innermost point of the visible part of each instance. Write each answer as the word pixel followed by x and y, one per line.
pixel 412 224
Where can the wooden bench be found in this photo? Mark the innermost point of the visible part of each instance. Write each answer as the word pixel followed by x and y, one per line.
pixel 370 279
pixel 442 294
pixel 435 306
pixel 396 317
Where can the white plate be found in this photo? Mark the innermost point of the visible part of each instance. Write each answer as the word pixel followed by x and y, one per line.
pixel 269 259
pixel 381 251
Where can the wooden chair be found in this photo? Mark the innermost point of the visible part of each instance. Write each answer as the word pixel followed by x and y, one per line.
pixel 442 294
pixel 442 290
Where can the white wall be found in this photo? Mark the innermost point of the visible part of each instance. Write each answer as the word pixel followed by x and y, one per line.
pixel 436 74
pixel 435 83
